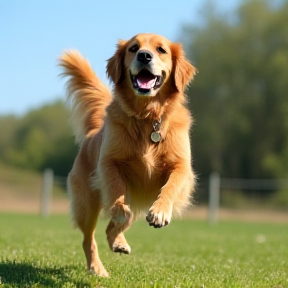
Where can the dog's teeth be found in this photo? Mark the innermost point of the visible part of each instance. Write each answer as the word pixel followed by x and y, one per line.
pixel 146 84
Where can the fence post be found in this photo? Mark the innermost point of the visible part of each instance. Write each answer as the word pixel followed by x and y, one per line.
pixel 214 197
pixel 47 188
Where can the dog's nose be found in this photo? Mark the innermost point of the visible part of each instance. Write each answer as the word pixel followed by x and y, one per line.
pixel 144 56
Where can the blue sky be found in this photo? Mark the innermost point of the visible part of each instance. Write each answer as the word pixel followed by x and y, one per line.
pixel 33 33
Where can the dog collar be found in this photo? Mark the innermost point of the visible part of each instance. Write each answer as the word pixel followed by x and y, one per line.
pixel 156 135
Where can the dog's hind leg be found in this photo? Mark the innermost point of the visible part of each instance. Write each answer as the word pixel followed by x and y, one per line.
pixel 86 205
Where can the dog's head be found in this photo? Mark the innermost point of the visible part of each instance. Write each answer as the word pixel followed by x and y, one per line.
pixel 148 62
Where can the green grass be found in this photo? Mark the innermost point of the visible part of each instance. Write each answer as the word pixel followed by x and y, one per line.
pixel 37 252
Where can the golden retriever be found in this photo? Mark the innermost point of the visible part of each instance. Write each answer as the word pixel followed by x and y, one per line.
pixel 134 147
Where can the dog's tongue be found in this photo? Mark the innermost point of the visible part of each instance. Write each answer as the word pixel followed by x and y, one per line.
pixel 146 80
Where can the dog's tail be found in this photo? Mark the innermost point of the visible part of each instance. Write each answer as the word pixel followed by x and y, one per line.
pixel 88 95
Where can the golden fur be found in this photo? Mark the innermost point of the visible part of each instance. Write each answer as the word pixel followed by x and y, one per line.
pixel 118 167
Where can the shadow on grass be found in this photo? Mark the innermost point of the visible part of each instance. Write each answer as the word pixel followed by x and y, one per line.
pixel 13 274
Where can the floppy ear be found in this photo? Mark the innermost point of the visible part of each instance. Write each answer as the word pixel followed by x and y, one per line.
pixel 183 70
pixel 115 65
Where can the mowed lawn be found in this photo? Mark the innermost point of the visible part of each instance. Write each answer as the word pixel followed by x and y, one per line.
pixel 36 252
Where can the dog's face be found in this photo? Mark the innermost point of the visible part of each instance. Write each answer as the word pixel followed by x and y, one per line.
pixel 147 62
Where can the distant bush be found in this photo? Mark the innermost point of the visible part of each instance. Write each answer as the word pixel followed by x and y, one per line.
pixel 42 138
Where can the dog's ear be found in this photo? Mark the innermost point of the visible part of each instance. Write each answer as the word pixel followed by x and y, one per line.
pixel 115 65
pixel 183 70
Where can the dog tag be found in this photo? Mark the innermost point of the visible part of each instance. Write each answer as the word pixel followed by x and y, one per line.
pixel 155 136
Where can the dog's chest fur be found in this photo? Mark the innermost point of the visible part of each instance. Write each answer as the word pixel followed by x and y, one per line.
pixel 141 161
pixel 143 157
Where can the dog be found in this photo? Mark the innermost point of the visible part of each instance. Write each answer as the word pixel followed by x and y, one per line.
pixel 134 153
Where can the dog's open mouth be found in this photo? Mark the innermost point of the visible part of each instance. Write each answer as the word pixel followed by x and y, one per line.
pixel 145 81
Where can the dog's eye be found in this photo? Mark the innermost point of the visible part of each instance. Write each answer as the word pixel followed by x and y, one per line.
pixel 161 50
pixel 134 48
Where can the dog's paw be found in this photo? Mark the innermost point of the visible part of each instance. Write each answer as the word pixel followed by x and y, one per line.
pixel 158 216
pixel 116 239
pixel 121 248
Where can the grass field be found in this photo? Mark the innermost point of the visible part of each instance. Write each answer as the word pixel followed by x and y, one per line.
pixel 37 252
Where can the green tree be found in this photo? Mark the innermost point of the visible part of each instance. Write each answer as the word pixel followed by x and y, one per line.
pixel 42 138
pixel 239 97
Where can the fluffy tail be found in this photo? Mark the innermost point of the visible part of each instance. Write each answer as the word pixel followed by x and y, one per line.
pixel 88 95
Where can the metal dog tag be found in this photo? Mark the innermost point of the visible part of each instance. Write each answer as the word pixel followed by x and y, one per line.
pixel 155 136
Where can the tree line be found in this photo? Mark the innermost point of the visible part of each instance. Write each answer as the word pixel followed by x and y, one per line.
pixel 238 100
pixel 42 138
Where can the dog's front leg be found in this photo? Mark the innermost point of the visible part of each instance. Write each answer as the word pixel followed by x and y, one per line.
pixel 178 187
pixel 116 202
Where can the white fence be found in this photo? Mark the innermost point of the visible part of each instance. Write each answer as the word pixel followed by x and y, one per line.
pixel 49 180
pixel 215 185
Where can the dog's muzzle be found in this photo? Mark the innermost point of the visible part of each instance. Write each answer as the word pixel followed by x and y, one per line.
pixel 145 82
